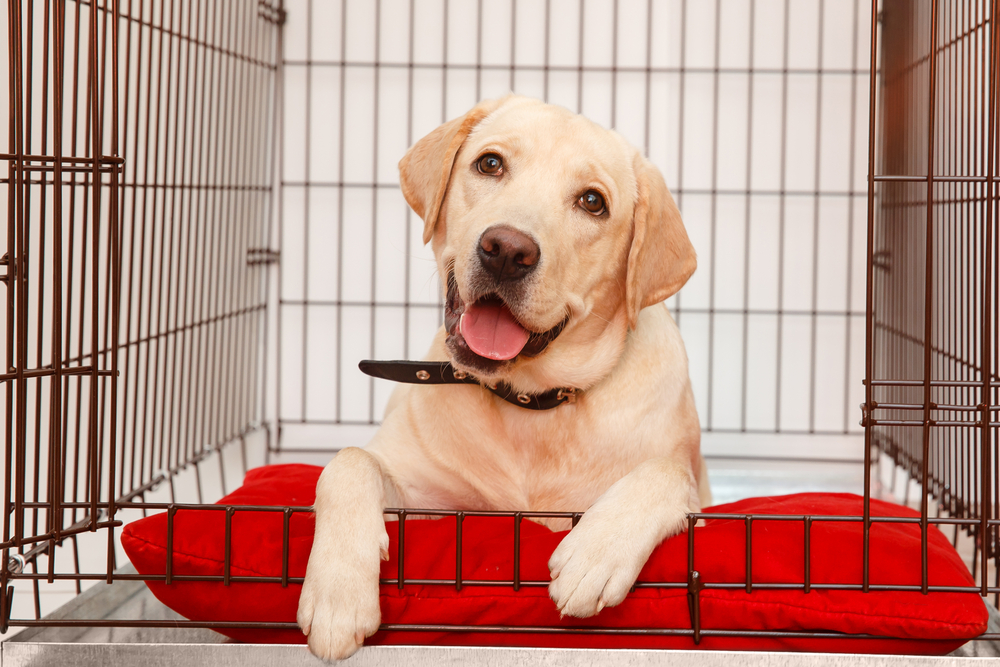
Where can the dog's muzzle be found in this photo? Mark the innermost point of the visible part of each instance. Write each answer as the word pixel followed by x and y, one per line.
pixel 499 337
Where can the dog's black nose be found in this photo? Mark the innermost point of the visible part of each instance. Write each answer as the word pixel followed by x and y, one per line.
pixel 507 253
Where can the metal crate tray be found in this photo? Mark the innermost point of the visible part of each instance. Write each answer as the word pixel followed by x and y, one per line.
pixel 154 647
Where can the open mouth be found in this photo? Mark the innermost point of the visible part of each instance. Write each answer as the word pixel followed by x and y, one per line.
pixel 485 334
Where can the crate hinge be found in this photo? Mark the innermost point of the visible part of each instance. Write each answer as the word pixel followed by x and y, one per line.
pixel 11 264
pixel 271 12
pixel 262 256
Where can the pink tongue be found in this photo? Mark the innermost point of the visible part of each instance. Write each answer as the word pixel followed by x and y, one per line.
pixel 491 330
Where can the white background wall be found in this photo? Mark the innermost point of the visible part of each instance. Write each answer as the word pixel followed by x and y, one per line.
pixel 755 112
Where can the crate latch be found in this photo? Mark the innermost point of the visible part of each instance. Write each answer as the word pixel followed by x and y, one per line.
pixel 694 589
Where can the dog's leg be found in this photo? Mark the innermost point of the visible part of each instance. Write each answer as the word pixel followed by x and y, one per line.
pixel 339 605
pixel 597 563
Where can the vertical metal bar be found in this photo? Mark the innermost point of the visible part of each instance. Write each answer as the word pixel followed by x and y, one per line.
pixel 459 519
pixel 255 136
pixel 928 296
pixel 479 50
pixel 545 64
pixel 42 268
pixel 277 180
pixel 194 403
pixel 848 290
pixel 340 213
pixel 869 296
pixel 183 313
pixel 129 443
pixel 237 221
pixel 172 331
pixel 227 563
pixel 713 210
pixel 614 62
pixel 517 551
pixel 513 42
pixel 744 355
pixel 152 127
pixel 817 150
pixel 374 254
pixel 444 113
pixel 579 61
pixel 682 75
pixel 649 75
pixel 807 540
pixel 223 122
pixel 408 214
pixel 985 510
pixel 400 549
pixel 17 264
pixel 96 136
pixel 5 573
pixel 115 274
pixel 694 584
pixel 226 122
pixel 171 511
pixel 307 175
pixel 56 461
pixel 749 553
pixel 779 338
pixel 286 520
pixel 70 273
pixel 690 540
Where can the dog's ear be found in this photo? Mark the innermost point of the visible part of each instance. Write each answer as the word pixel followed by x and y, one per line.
pixel 425 170
pixel 661 258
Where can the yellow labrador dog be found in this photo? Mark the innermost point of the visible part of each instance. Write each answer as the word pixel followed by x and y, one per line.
pixel 556 242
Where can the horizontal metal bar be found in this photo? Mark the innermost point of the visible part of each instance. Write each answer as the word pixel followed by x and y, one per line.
pixel 66 159
pixel 767 71
pixel 935 178
pixel 929 422
pixel 49 372
pixel 81 526
pixel 680 191
pixel 972 384
pixel 334 303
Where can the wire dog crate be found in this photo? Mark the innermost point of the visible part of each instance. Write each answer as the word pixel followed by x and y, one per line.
pixel 205 233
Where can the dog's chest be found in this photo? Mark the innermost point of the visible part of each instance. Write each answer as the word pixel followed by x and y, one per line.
pixel 560 462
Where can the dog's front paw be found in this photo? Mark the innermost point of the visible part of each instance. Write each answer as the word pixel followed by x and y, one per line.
pixel 592 568
pixel 596 564
pixel 339 605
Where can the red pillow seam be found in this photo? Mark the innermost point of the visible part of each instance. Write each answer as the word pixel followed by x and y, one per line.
pixel 729 601
pixel 763 603
pixel 202 558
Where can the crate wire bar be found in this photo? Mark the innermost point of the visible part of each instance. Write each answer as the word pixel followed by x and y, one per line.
pixel 142 184
pixel 932 263
pixel 137 283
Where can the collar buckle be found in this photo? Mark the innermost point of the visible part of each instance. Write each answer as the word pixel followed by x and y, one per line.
pixel 566 395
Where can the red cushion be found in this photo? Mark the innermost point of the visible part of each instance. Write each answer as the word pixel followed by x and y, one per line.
pixel 934 623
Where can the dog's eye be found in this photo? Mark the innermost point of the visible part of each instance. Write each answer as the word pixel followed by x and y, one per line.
pixel 490 164
pixel 592 202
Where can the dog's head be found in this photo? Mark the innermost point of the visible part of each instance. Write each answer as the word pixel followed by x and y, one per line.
pixel 551 234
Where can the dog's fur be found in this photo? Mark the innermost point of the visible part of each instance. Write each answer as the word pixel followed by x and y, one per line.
pixel 627 449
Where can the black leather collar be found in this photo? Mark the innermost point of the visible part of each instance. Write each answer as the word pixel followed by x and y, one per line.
pixel 442 372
